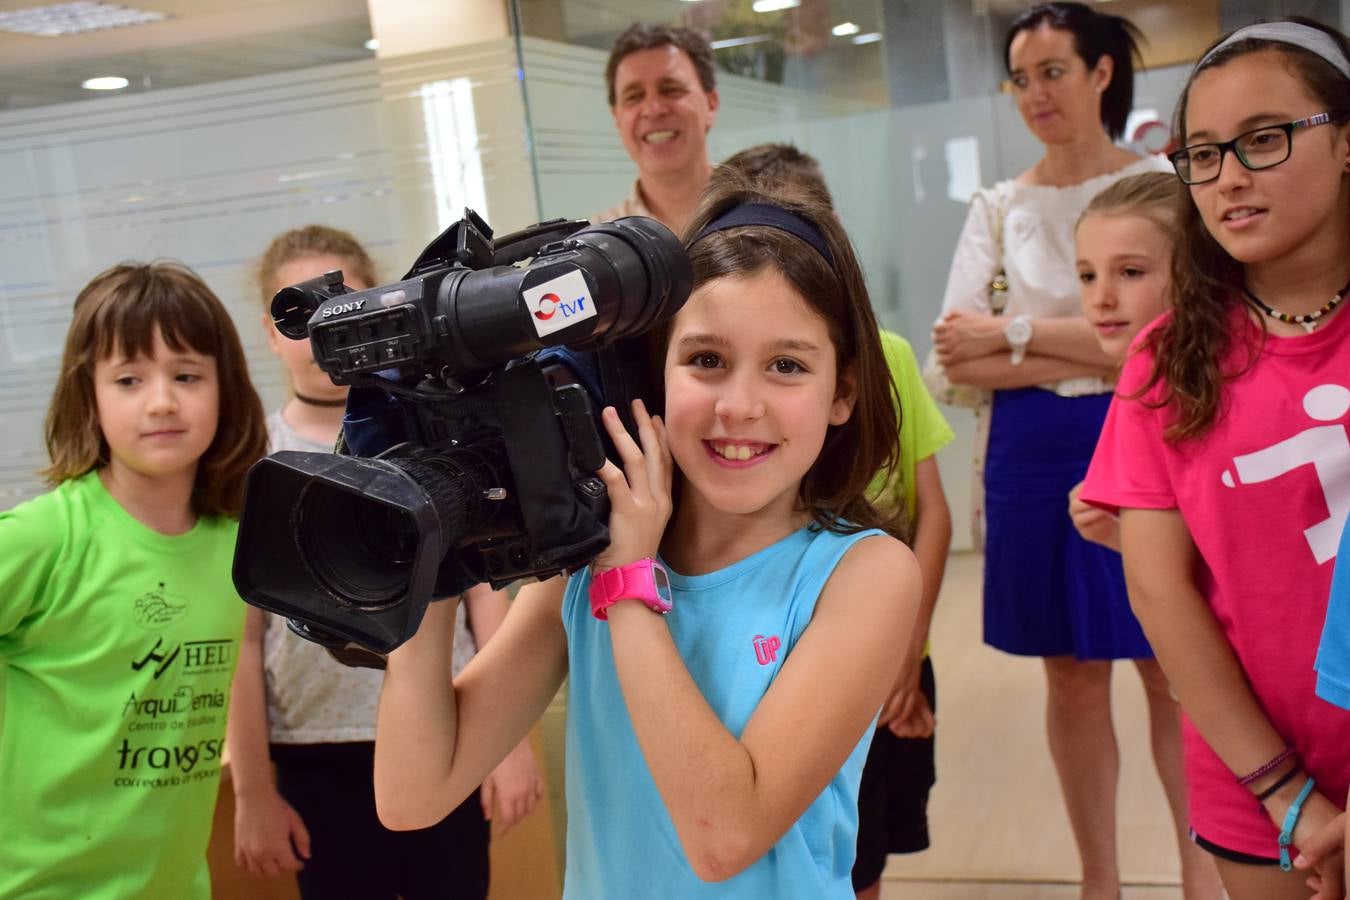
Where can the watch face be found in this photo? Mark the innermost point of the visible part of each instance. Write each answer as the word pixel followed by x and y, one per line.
pixel 1018 331
pixel 661 579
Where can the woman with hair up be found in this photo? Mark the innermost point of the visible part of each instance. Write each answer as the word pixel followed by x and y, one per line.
pixel 1012 325
pixel 1226 453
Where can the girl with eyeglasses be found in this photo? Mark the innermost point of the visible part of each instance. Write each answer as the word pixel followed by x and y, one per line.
pixel 1227 455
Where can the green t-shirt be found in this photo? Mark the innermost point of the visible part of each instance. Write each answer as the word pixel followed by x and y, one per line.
pixel 923 431
pixel 117 645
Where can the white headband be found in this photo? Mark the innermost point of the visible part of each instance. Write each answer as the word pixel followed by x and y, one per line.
pixel 1311 39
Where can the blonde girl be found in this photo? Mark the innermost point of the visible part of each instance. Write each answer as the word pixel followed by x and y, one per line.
pixel 1124 245
pixel 298 709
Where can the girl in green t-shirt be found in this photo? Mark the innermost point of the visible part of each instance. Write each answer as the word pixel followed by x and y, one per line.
pixel 119 623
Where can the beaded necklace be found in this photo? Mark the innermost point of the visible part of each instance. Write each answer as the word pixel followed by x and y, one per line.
pixel 1307 320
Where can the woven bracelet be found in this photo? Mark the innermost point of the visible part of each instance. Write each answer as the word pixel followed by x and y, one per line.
pixel 1268 767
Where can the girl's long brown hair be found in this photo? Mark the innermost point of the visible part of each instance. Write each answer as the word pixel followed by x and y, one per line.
pixel 834 489
pixel 1189 349
pixel 119 312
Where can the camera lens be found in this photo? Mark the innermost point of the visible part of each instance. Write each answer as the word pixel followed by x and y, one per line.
pixel 651 258
pixel 356 548
pixel 363 551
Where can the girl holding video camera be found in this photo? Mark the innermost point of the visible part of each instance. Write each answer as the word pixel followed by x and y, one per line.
pixel 722 742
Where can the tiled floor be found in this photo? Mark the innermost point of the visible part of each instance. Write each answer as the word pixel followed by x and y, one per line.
pixel 998 824
pixel 972 890
pixel 998 827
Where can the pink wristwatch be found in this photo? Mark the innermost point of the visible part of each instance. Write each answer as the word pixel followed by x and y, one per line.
pixel 644 579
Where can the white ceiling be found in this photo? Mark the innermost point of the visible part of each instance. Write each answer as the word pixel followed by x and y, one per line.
pixel 202 41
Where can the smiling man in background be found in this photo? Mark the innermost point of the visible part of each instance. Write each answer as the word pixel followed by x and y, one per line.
pixel 663 97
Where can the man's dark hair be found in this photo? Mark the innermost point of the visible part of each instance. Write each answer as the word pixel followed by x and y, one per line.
pixel 647 37
pixel 770 166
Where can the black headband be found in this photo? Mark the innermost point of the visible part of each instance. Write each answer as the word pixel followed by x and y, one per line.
pixel 769 216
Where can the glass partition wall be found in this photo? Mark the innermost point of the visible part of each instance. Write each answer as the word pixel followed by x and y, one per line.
pixel 899 100
pixel 391 150
pixel 208 153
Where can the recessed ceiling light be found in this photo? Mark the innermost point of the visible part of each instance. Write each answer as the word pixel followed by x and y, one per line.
pixel 870 38
pixel 763 6
pixel 372 44
pixel 73 18
pixel 104 83
pixel 843 29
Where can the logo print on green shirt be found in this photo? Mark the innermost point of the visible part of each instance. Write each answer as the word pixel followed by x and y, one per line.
pixel 157 610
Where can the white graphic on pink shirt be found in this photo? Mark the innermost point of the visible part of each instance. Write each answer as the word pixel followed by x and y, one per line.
pixel 1326 448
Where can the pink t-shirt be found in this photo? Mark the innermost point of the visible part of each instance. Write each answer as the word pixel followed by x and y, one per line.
pixel 1265 495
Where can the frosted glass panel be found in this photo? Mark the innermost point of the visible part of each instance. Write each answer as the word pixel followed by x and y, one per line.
pixel 902 174
pixel 209 174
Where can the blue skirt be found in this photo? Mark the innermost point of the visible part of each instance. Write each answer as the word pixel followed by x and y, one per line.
pixel 1048 592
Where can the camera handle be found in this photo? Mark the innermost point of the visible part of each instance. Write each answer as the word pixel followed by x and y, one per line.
pixel 530 242
pixel 469 243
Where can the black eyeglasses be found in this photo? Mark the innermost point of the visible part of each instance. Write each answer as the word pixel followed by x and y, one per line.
pixel 1260 148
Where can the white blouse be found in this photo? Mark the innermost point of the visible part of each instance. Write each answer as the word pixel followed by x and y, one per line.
pixel 1038 252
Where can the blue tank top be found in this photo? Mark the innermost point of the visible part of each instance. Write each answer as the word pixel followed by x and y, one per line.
pixel 734 629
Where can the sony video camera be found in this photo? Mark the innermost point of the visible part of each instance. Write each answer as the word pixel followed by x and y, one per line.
pixel 472 432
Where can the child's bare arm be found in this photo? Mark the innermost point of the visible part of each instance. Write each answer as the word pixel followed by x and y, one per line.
pixel 1092 522
pixel 436 741
pixel 906 711
pixel 1200 663
pixel 1323 848
pixel 269 836
pixel 932 540
pixel 246 727
pixel 731 800
pixel 511 790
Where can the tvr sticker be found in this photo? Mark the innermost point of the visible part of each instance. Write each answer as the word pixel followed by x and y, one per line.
pixel 559 303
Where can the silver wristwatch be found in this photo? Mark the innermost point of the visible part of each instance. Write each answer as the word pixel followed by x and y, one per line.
pixel 1018 334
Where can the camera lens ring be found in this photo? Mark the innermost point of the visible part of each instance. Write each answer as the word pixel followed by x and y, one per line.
pixel 367 567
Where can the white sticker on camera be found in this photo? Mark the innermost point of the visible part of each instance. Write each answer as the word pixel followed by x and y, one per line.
pixel 559 303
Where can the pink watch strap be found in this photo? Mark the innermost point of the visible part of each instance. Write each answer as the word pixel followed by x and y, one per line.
pixel 635 581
